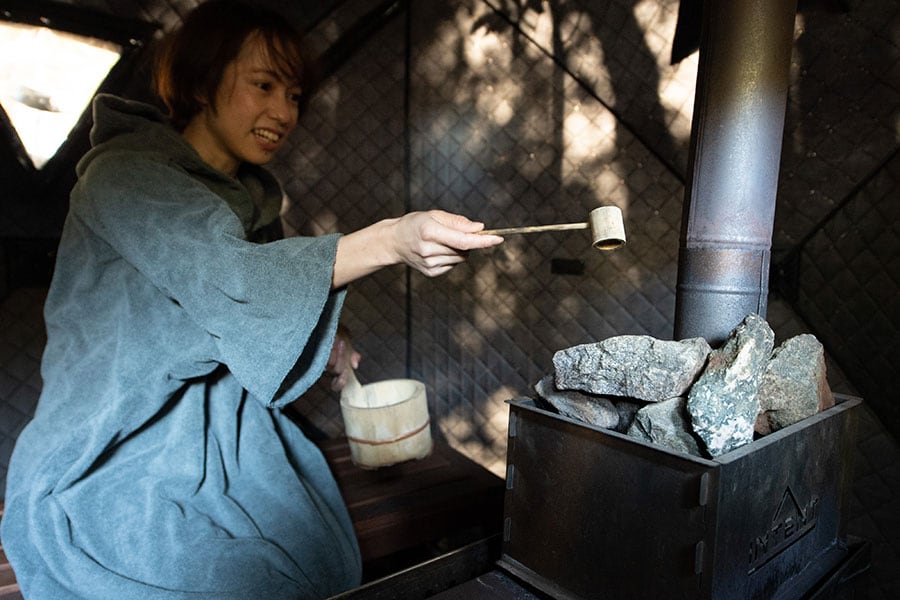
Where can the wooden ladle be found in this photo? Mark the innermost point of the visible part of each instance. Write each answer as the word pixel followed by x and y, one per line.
pixel 605 223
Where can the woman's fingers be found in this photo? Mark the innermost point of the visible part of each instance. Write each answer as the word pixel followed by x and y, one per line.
pixel 342 361
pixel 433 266
pixel 437 240
pixel 456 231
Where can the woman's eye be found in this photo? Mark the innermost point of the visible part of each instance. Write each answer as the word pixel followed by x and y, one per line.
pixel 295 98
pixel 264 85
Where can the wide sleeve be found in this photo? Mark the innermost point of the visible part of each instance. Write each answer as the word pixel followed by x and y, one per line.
pixel 269 308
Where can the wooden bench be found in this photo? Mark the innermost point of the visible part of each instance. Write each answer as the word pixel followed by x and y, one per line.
pixel 417 510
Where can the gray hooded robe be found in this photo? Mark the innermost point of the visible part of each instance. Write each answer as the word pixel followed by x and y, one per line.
pixel 158 463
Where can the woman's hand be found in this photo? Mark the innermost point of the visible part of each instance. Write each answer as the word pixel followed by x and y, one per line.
pixel 432 242
pixel 342 360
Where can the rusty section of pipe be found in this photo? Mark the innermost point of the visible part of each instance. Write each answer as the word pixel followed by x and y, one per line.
pixel 738 125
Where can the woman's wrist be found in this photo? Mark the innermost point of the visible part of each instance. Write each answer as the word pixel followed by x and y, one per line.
pixel 365 251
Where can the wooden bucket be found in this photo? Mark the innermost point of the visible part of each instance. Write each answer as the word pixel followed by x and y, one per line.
pixel 387 423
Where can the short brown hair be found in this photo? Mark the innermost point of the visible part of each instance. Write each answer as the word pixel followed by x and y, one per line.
pixel 191 60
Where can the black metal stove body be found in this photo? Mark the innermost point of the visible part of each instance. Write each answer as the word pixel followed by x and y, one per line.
pixel 591 513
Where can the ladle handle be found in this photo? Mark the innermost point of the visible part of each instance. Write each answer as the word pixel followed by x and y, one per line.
pixel 353 391
pixel 352 387
pixel 535 228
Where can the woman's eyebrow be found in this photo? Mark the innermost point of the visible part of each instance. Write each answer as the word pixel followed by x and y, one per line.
pixel 275 74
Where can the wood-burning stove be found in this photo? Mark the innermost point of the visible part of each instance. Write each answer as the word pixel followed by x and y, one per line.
pixel 591 513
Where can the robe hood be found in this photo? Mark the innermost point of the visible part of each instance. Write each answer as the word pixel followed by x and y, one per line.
pixel 122 125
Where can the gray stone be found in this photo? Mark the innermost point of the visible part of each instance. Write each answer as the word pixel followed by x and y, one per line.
pixel 664 423
pixel 794 385
pixel 578 405
pixel 634 366
pixel 627 411
pixel 723 403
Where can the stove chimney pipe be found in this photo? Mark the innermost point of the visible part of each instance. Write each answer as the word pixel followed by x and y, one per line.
pixel 738 125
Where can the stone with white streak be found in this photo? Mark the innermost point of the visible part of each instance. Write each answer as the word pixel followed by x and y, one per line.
pixel 634 366
pixel 723 403
pixel 794 386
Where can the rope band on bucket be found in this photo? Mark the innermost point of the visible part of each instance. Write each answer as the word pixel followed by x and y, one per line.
pixel 392 440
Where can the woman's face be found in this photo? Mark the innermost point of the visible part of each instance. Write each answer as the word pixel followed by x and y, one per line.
pixel 256 108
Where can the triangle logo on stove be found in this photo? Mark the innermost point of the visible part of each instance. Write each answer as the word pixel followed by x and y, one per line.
pixel 791 521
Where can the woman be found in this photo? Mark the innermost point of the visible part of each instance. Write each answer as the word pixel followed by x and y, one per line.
pixel 158 463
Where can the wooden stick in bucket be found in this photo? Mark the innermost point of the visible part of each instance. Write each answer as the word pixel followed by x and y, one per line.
pixel 353 392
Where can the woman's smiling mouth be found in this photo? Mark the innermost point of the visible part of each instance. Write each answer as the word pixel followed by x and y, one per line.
pixel 268 135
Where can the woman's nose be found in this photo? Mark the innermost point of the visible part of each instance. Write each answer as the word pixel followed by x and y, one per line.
pixel 283 109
